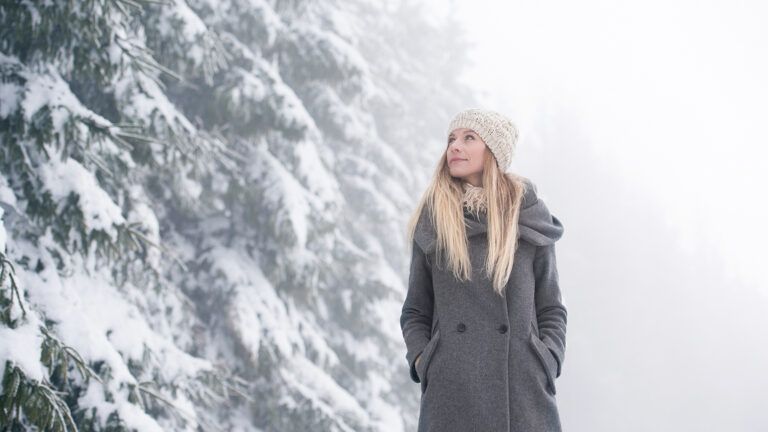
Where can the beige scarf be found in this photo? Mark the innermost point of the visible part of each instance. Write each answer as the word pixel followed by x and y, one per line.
pixel 474 198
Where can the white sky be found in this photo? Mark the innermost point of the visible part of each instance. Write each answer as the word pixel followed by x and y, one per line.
pixel 658 108
pixel 673 94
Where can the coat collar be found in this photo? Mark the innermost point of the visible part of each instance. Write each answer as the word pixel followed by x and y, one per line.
pixel 475 224
pixel 536 224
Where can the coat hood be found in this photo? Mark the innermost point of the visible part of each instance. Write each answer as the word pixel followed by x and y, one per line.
pixel 536 224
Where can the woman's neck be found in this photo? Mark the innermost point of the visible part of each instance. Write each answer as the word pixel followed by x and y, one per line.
pixel 475 180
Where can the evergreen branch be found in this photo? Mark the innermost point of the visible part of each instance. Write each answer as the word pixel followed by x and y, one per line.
pixel 159 2
pixel 99 162
pixel 120 5
pixel 10 271
pixel 239 392
pixel 2 269
pixel 137 137
pixel 131 3
pixel 230 382
pixel 100 128
pixel 175 408
pixel 59 408
pixel 160 247
pixel 135 53
pixel 37 401
pixel 54 347
pixel 15 289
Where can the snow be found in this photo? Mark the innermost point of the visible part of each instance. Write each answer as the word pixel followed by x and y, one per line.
pixel 178 21
pixel 315 159
pixel 284 195
pixel 3 234
pixel 22 347
pixel 33 12
pixel 328 50
pixel 192 24
pixel 10 97
pixel 190 188
pixel 384 416
pixel 142 213
pixel 94 318
pixel 286 104
pixel 144 100
pixel 362 349
pixel 50 90
pixel 322 392
pixel 312 173
pixel 315 337
pixel 222 12
pixel 63 178
pixel 258 314
pixel 381 313
pixel 252 89
pixel 131 414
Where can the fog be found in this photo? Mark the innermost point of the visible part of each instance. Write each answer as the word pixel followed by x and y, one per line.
pixel 642 124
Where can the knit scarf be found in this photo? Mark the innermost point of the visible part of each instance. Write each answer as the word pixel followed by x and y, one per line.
pixel 474 198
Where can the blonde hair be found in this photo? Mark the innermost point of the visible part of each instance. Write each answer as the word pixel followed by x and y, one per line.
pixel 443 200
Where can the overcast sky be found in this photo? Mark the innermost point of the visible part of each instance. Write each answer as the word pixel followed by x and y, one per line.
pixel 674 94
pixel 644 125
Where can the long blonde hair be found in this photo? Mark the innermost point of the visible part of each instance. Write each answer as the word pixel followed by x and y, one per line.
pixel 443 200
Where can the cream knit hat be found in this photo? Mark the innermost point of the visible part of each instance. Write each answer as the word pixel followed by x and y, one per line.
pixel 498 132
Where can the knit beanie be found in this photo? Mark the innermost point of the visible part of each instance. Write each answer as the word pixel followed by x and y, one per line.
pixel 498 132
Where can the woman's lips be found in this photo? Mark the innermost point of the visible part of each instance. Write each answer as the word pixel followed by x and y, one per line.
pixel 457 160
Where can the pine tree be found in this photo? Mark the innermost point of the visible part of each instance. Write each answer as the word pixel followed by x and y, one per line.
pixel 199 200
pixel 79 183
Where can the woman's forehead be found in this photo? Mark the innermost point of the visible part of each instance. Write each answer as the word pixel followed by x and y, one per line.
pixel 460 130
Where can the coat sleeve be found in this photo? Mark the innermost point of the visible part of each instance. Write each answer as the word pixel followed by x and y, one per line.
pixel 551 312
pixel 416 316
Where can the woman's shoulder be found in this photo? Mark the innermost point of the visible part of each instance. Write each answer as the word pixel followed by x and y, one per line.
pixel 537 224
pixel 530 192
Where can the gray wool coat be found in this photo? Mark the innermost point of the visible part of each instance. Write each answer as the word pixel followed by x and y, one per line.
pixel 488 364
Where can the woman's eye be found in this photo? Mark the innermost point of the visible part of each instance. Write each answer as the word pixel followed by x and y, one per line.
pixel 470 136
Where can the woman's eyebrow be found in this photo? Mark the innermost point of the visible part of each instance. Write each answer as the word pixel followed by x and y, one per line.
pixel 467 132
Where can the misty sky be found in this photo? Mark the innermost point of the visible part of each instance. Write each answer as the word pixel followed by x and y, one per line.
pixel 644 125
pixel 673 94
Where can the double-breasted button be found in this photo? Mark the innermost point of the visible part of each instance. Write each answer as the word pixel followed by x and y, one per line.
pixel 461 327
pixel 503 328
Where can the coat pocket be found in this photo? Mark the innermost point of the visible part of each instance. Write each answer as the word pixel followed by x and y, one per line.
pixel 425 358
pixel 546 359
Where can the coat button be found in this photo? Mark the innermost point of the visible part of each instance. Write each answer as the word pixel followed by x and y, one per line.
pixel 461 327
pixel 503 328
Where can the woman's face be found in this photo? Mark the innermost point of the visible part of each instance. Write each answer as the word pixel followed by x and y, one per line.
pixel 465 155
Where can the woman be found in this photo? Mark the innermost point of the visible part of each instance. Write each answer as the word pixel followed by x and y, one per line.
pixel 483 320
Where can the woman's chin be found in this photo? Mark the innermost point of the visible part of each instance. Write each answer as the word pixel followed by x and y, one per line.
pixel 459 173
